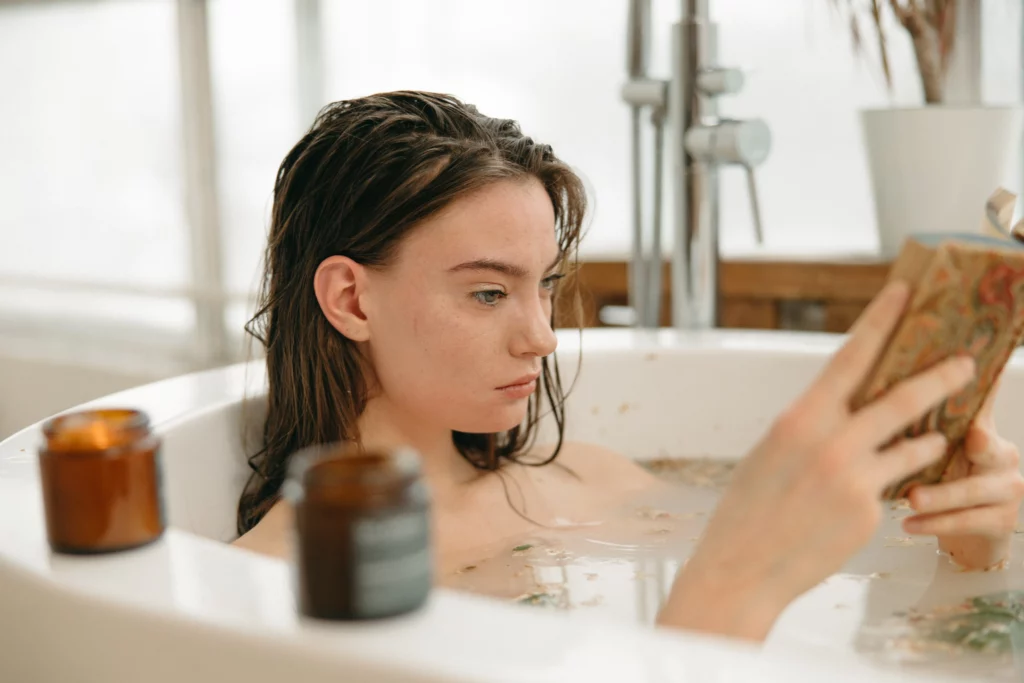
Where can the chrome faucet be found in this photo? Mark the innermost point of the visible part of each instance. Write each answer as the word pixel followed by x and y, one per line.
pixel 701 141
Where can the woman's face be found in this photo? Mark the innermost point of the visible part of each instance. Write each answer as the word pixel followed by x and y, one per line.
pixel 459 323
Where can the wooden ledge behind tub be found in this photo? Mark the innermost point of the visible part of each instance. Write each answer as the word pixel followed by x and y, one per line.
pixel 812 295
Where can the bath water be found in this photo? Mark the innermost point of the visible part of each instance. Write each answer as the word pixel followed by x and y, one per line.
pixel 899 602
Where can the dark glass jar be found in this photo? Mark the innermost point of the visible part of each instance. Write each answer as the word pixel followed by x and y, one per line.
pixel 101 481
pixel 362 523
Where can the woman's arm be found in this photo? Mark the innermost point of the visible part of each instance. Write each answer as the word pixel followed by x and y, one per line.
pixel 808 496
pixel 723 600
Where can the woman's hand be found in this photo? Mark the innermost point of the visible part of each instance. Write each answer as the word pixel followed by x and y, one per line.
pixel 808 497
pixel 974 510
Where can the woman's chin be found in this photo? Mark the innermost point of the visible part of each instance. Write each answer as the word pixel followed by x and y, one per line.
pixel 493 422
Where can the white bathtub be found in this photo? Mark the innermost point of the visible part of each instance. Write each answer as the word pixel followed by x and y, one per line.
pixel 192 608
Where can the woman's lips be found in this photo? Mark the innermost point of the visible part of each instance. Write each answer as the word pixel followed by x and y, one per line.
pixel 521 388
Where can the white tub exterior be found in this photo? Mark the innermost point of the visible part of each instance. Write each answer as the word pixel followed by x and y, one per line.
pixel 193 608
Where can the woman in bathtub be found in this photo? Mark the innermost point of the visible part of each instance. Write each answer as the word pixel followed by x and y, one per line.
pixel 415 252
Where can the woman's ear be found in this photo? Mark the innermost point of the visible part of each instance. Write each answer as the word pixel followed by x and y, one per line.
pixel 339 282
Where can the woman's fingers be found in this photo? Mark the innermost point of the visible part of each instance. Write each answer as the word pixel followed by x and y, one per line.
pixel 990 521
pixel 868 336
pixel 974 491
pixel 877 423
pixel 987 452
pixel 908 457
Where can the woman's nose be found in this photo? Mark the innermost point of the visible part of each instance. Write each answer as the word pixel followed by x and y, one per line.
pixel 537 337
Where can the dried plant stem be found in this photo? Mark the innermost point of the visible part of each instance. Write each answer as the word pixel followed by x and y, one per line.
pixel 931 25
pixel 927 47
pixel 876 15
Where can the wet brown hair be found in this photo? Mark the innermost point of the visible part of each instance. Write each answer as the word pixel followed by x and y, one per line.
pixel 367 172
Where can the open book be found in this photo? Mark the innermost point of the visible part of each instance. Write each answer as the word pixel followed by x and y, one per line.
pixel 967 298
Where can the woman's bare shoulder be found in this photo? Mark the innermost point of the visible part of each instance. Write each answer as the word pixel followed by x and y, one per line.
pixel 598 465
pixel 271 535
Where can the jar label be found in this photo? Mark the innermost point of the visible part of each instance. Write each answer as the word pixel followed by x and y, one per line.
pixel 393 564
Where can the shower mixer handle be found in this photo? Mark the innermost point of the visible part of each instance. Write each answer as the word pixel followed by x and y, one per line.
pixel 744 143
pixel 718 80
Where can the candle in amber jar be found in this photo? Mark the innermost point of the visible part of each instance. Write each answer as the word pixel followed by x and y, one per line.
pixel 101 481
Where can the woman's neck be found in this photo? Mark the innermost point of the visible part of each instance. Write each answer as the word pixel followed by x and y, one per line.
pixel 382 425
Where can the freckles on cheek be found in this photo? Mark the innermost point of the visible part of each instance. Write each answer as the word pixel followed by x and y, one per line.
pixel 424 317
pixel 453 337
pixel 432 329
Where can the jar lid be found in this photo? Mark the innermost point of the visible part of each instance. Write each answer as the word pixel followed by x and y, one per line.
pixel 341 464
pixel 96 429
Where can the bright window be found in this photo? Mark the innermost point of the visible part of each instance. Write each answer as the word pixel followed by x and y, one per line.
pixel 93 218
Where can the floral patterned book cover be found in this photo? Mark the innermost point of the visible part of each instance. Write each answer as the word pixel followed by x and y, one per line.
pixel 967 298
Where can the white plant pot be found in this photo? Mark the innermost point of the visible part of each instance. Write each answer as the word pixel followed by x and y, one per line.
pixel 932 168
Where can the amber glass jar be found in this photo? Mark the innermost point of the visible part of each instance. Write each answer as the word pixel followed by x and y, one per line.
pixel 101 481
pixel 362 523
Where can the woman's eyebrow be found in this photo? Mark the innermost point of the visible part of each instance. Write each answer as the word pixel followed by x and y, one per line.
pixel 510 269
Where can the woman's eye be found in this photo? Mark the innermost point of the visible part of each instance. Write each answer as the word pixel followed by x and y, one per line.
pixel 551 280
pixel 489 297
